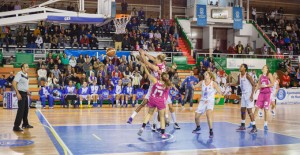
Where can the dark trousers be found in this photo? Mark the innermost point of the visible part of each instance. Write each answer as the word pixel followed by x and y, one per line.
pixel 22 113
pixel 189 92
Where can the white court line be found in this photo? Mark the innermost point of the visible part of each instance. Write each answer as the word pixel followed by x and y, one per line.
pixel 96 137
pixel 50 126
pixel 159 141
pixel 268 131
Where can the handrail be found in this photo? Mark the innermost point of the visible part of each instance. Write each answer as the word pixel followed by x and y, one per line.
pixel 265 36
pixel 184 34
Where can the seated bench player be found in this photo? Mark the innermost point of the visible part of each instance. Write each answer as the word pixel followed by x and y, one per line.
pixel 128 94
pixel 94 91
pixel 44 93
pixel 84 94
pixel 106 94
pixel 69 94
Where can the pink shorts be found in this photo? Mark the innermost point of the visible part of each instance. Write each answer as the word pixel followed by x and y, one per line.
pixel 263 100
pixel 159 106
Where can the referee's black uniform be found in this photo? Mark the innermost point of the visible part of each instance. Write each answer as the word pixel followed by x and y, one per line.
pixel 20 84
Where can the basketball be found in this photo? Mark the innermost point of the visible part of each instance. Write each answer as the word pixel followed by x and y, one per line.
pixel 111 52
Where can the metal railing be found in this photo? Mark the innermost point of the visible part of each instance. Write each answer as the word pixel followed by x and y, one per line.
pixel 38 53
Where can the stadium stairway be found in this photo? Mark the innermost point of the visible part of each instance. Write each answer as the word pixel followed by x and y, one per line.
pixel 185 49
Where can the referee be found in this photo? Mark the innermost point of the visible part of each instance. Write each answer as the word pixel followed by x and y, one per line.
pixel 20 85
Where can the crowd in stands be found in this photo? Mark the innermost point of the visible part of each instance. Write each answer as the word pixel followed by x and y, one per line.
pixel 284 33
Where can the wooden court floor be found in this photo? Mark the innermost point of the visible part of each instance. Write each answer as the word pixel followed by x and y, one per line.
pixel 286 122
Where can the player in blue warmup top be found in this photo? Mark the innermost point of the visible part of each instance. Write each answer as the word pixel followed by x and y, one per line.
pixel 84 94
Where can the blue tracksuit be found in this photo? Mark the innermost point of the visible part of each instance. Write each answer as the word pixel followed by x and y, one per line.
pixel 45 94
pixel 105 94
pixel 128 91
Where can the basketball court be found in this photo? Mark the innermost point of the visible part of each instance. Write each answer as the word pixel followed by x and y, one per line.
pixel 104 131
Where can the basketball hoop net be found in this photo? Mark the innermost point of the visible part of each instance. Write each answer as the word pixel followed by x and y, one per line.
pixel 120 22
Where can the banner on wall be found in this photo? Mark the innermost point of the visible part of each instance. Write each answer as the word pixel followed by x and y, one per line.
pixel 201 15
pixel 288 96
pixel 233 63
pixel 237 18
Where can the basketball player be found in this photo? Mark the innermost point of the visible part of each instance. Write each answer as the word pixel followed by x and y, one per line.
pixel 84 94
pixel 158 94
pixel 118 95
pixel 128 93
pixel 94 91
pixel 265 84
pixel 45 94
pixel 275 89
pixel 159 60
pixel 69 90
pixel 207 102
pixel 247 88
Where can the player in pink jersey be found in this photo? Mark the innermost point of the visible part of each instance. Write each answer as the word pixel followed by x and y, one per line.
pixel 265 83
pixel 158 94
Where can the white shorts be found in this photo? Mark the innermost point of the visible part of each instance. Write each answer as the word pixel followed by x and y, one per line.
pixel 93 95
pixel 84 97
pixel 169 101
pixel 149 92
pixel 204 106
pixel 273 97
pixel 245 102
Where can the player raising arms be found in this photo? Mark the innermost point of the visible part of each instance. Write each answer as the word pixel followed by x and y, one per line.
pixel 158 95
pixel 247 87
pixel 207 102
pixel 156 73
pixel 265 84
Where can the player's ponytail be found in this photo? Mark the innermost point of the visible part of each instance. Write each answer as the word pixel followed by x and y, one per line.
pixel 161 57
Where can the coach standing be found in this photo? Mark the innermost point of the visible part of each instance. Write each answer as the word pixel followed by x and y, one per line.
pixel 20 85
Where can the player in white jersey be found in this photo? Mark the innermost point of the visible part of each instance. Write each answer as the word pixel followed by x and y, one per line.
pixel 275 89
pixel 207 101
pixel 94 90
pixel 84 94
pixel 247 87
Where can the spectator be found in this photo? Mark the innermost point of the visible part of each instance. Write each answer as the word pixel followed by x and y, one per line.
pixel 115 61
pixel 158 48
pixel 141 15
pixel 62 41
pixel 84 42
pixel 3 84
pixel 116 71
pixel 42 74
pixel 57 73
pixel 286 80
pixel 54 42
pixel 94 42
pixel 37 31
pixel 86 66
pixel 136 80
pixel 124 6
pixel 17 6
pixel 74 42
pixel 65 60
pixel 47 41
pixel 70 7
pixel 189 90
pixel 118 38
pixel 232 49
pixel 126 43
pixel 20 40
pixel 239 48
pixel 253 13
pixel 10 79
pixel 39 42
pixel 248 48
pixel 176 80
pixel 134 13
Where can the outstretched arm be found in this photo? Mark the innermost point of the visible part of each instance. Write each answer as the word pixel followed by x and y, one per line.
pixel 151 77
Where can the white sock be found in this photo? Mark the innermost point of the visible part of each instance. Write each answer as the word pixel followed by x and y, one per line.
pixel 133 114
pixel 253 123
pixel 157 125
pixel 173 117
pixel 122 102
pixel 80 102
pixel 167 115
pixel 117 102
pixel 89 102
pixel 266 123
pixel 243 121
pixel 155 120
